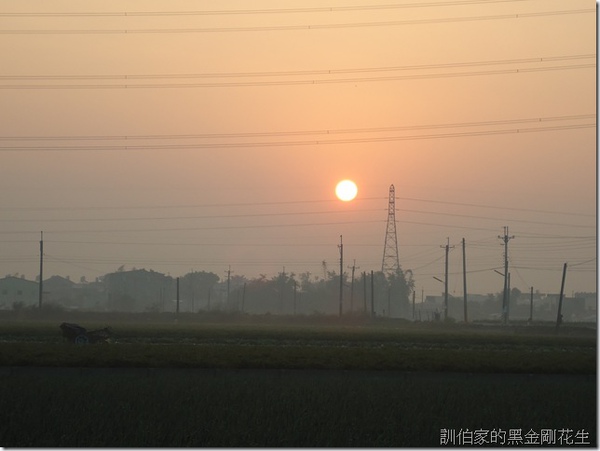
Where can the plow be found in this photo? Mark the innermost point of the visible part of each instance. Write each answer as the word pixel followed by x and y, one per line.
pixel 81 336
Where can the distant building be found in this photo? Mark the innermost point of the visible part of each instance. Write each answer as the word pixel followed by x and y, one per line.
pixel 18 290
pixel 58 290
pixel 89 296
pixel 591 301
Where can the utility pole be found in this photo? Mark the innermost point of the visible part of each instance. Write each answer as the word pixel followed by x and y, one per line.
pixel 178 297
pixel 413 313
pixel 505 239
pixel 352 285
pixel 365 291
pixel 448 247
pixel 465 279
pixel 192 288
pixel 341 246
pixel 389 302
pixel 228 278
pixel 243 297
pixel 508 299
pixel 560 299
pixel 281 289
pixel 531 306
pixel 41 285
pixel 372 296
pixel 295 291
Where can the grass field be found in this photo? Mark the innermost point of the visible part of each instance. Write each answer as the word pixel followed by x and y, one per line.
pixel 371 346
pixel 271 383
pixel 59 407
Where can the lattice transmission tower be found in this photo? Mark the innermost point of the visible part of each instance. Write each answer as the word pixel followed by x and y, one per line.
pixel 391 261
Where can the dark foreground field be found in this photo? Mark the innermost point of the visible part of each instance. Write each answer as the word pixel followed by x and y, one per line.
pixel 276 382
pixel 94 407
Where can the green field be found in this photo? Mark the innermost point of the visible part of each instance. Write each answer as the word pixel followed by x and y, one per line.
pixel 270 382
pixel 271 343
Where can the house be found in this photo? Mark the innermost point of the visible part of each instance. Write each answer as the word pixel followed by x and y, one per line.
pixel 58 290
pixel 18 290
pixel 88 295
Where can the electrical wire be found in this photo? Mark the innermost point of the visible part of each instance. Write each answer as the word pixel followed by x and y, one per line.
pixel 265 28
pixel 233 145
pixel 451 65
pixel 299 202
pixel 326 9
pixel 295 82
pixel 169 218
pixel 180 229
pixel 327 132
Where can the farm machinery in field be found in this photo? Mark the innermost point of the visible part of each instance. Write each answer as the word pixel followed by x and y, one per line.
pixel 81 336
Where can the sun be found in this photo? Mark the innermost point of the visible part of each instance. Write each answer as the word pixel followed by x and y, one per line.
pixel 346 190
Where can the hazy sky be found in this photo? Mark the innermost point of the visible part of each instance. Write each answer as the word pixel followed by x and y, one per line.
pixel 194 135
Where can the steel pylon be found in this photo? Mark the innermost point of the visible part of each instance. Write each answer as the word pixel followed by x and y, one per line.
pixel 391 260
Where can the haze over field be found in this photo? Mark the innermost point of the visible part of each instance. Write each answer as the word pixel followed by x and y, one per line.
pixel 194 135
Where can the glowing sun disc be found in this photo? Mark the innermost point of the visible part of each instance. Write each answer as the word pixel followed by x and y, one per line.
pixel 346 190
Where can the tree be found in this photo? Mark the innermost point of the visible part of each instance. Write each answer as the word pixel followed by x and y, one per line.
pixel 194 287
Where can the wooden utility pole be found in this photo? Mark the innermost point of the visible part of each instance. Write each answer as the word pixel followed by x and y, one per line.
pixel 389 302
pixel 560 299
pixel 508 299
pixel 447 246
pixel 531 305
pixel 243 297
pixel 353 267
pixel 341 246
pixel 465 279
pixel 178 297
pixel 506 239
pixel 295 291
pixel 228 278
pixel 41 284
pixel 365 291
pixel 372 296
pixel 413 315
pixel 281 290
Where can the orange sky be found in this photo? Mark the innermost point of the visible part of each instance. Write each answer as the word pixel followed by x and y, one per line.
pixel 481 113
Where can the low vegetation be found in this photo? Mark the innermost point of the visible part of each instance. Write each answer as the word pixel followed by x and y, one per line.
pixel 289 382
pixel 85 407
pixel 272 343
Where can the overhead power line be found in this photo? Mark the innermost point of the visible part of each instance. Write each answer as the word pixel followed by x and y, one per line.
pixel 322 9
pixel 325 132
pixel 237 84
pixel 229 205
pixel 495 207
pixel 169 218
pixel 449 65
pixel 90 31
pixel 232 145
pixel 180 229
